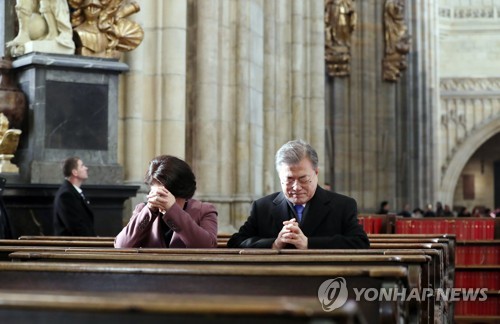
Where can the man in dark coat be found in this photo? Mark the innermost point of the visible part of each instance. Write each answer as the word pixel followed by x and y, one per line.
pixel 72 213
pixel 303 215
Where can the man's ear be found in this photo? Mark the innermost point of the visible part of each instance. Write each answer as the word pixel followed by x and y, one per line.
pixel 74 172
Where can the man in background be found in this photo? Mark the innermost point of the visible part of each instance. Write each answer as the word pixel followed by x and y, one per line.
pixel 72 213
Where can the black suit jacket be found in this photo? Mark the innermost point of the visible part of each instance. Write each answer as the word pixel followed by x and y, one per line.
pixel 72 214
pixel 330 222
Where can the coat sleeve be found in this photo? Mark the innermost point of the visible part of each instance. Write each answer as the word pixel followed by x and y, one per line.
pixel 192 233
pixel 352 237
pixel 138 228
pixel 249 235
pixel 74 217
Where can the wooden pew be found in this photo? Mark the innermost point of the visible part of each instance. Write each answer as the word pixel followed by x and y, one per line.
pixel 449 241
pixel 251 280
pixel 417 264
pixel 50 242
pixel 441 277
pixel 396 243
pixel 66 238
pixel 101 307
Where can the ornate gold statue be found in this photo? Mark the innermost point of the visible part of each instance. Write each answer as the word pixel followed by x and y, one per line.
pixel 44 26
pixel 9 139
pixel 397 40
pixel 101 28
pixel 340 21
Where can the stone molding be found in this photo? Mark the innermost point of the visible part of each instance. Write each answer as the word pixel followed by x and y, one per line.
pixel 470 87
pixel 467 12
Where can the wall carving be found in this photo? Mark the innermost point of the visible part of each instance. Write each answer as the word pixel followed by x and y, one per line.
pixel 102 28
pixel 340 21
pixel 485 12
pixel 397 40
pixel 44 26
pixel 467 105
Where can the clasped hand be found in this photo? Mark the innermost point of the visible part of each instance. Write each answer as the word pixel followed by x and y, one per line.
pixel 160 199
pixel 291 234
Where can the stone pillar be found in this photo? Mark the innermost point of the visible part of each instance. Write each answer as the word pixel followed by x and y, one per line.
pixel 205 112
pixel 361 115
pixel 382 144
pixel 153 118
pixel 418 96
pixel 316 88
pixel 274 20
pixel 298 69
pixel 172 64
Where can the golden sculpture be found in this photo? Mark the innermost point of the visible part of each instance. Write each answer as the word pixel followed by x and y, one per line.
pixel 44 26
pixel 9 140
pixel 101 28
pixel 340 21
pixel 397 40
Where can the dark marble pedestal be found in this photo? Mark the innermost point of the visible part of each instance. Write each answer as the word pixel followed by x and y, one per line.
pixel 29 207
pixel 72 111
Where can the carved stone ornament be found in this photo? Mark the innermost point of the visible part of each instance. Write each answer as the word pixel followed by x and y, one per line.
pixel 12 99
pixel 397 40
pixel 44 26
pixel 9 139
pixel 13 109
pixel 101 27
pixel 340 21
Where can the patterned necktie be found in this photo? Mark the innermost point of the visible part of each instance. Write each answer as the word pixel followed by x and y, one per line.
pixel 299 209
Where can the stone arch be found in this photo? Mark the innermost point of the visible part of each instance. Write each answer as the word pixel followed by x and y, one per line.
pixel 462 156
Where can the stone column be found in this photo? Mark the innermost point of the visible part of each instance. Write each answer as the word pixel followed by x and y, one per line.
pixel 361 116
pixel 153 118
pixel 212 108
pixel 382 132
pixel 226 125
pixel 172 119
pixel 419 98
pixel 298 69
pixel 277 87
pixel 316 87
pixel 242 100
pixel 206 109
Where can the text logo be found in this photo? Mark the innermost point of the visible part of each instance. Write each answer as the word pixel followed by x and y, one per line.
pixel 332 294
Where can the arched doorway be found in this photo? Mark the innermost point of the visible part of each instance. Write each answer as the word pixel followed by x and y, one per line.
pixel 469 178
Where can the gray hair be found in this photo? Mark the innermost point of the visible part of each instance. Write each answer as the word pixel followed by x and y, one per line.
pixel 295 151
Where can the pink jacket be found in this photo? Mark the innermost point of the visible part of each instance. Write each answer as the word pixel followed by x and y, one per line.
pixel 194 227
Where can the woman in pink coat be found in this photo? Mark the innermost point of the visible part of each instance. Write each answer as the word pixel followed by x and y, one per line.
pixel 170 217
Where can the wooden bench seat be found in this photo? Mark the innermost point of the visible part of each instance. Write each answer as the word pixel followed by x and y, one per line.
pixel 417 244
pixel 97 308
pixel 251 280
pixel 66 238
pixel 64 243
pixel 417 265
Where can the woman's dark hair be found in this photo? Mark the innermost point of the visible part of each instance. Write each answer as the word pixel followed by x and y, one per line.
pixel 173 173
